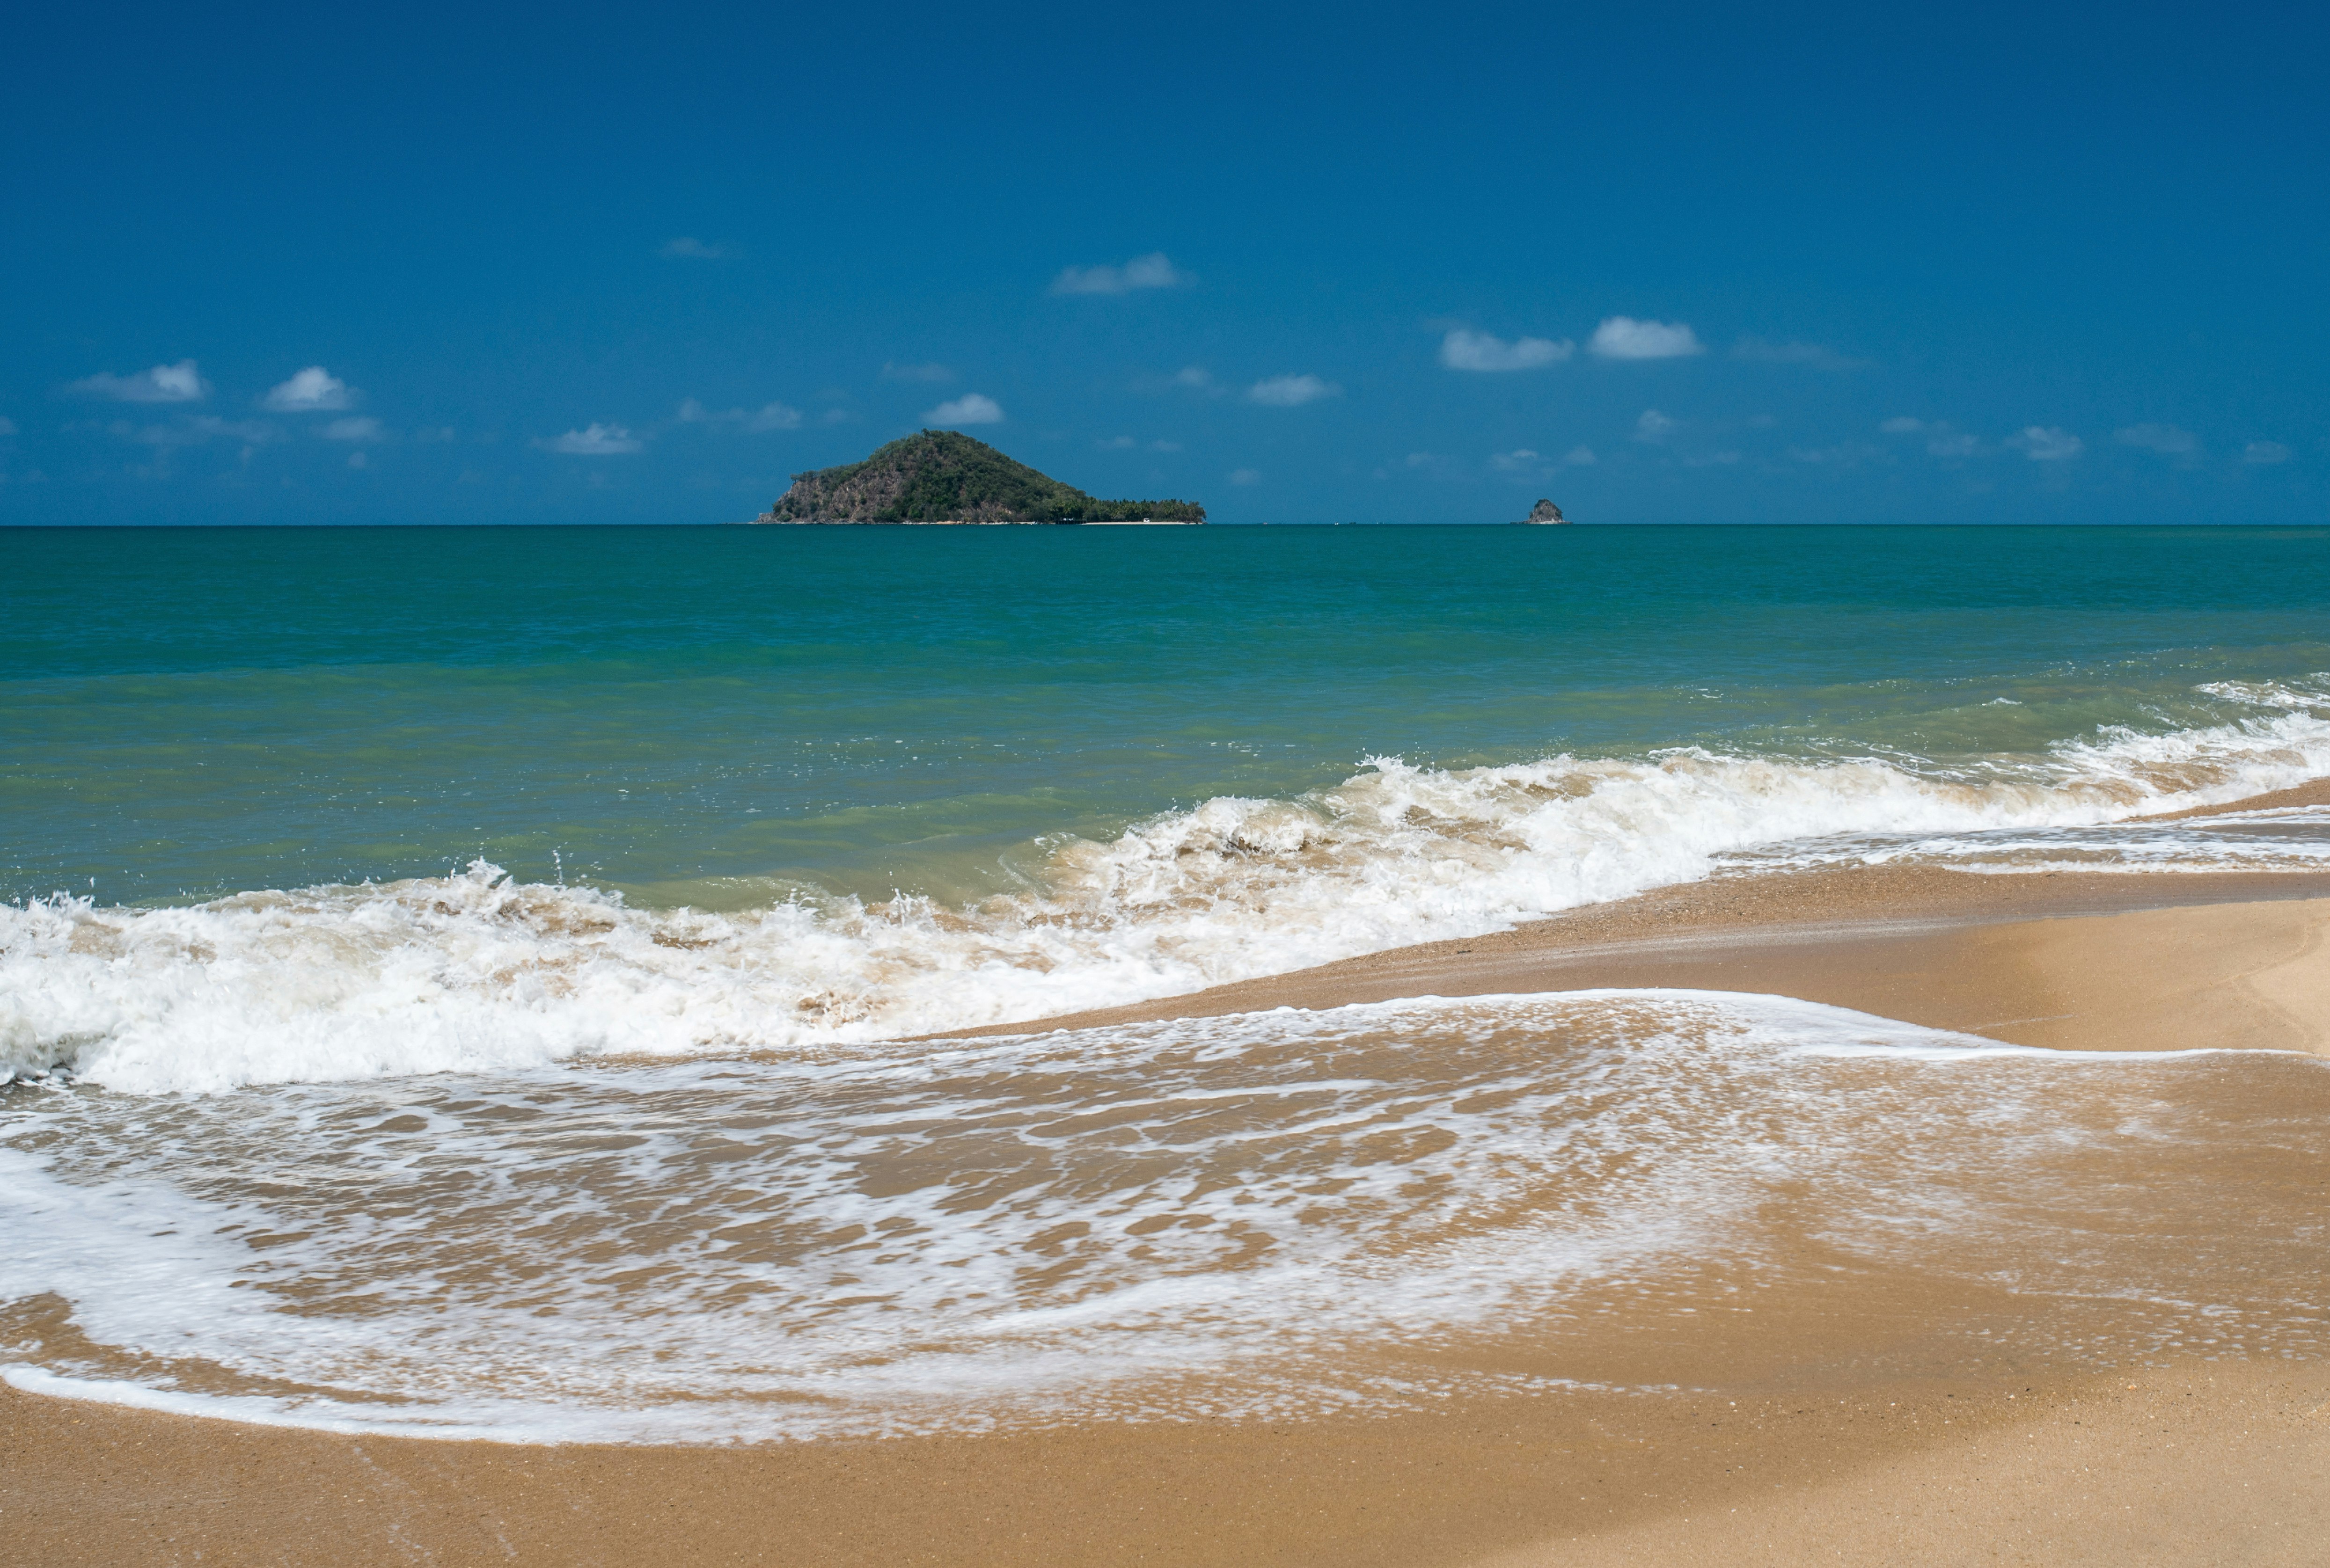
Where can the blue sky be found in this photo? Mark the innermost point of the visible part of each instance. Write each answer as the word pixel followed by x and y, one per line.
pixel 1303 263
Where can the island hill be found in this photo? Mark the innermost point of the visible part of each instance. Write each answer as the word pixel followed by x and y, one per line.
pixel 945 477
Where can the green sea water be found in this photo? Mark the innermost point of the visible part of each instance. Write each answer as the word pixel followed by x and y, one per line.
pixel 707 715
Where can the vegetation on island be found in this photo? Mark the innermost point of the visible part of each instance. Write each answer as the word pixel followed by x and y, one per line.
pixel 946 476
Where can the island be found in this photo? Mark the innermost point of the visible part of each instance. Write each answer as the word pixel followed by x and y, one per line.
pixel 1545 512
pixel 944 476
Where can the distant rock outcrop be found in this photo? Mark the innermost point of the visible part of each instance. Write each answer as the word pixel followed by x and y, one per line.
pixel 945 477
pixel 1545 512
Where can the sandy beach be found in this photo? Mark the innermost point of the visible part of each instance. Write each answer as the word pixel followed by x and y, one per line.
pixel 1861 1415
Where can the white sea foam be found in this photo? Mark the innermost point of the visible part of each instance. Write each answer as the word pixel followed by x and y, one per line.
pixel 1272 1215
pixel 474 973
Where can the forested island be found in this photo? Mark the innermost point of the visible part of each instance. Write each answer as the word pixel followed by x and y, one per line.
pixel 946 476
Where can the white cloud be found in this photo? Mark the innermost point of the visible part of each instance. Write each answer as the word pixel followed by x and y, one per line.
pixel 312 391
pixel 767 417
pixel 165 384
pixel 2167 440
pixel 1520 460
pixel 1118 444
pixel 1579 457
pixel 362 428
pixel 1812 355
pixel 1289 392
pixel 357 460
pixel 1624 338
pixel 1463 350
pixel 2255 452
pixel 1653 426
pixel 2048 444
pixel 1245 477
pixel 1902 425
pixel 934 373
pixel 689 248
pixel 595 441
pixel 971 408
pixel 1153 270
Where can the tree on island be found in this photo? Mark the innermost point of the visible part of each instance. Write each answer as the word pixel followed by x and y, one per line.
pixel 946 476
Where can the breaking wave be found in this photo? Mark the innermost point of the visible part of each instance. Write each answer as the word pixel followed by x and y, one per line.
pixel 475 972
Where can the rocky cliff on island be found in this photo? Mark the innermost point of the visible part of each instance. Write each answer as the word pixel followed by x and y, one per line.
pixel 945 477
pixel 1545 512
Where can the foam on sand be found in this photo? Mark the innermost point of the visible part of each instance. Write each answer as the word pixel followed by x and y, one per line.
pixel 1269 1214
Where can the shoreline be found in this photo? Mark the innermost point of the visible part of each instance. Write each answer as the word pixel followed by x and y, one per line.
pixel 1902 941
pixel 1863 1419
pixel 2047 958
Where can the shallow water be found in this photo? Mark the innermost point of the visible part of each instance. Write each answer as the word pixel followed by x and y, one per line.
pixel 286 805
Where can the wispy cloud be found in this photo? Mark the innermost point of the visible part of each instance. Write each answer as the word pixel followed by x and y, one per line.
pixel 1579 457
pixel 1942 439
pixel 1288 391
pixel 1653 426
pixel 971 408
pixel 1154 270
pixel 595 441
pixel 360 427
pixel 2167 440
pixel 1464 350
pixel 1520 460
pixel 200 429
pixel 8 426
pixel 1812 356
pixel 1243 476
pixel 1844 454
pixel 1624 338
pixel 2048 444
pixel 165 384
pixel 687 248
pixel 314 389
pixel 1129 443
pixel 767 417
pixel 932 372
pixel 2255 452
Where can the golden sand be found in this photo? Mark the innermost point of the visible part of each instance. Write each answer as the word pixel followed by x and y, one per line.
pixel 1859 1419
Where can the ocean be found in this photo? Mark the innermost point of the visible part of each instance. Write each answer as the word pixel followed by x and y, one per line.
pixel 454 978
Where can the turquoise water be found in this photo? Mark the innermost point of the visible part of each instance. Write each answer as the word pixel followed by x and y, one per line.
pixel 710 716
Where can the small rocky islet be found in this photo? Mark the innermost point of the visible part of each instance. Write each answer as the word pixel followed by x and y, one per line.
pixel 944 476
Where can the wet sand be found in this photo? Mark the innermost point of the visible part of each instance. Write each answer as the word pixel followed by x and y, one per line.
pixel 1862 1418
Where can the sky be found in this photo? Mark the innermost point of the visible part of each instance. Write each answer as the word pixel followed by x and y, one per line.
pixel 269 264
